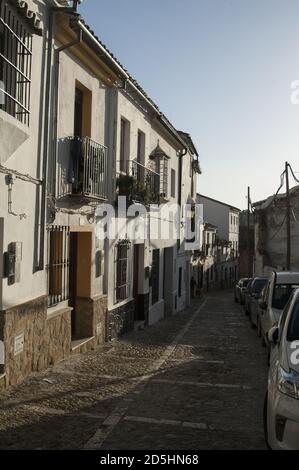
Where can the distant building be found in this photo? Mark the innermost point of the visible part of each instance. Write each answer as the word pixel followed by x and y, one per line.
pixel 271 232
pixel 204 272
pixel 225 218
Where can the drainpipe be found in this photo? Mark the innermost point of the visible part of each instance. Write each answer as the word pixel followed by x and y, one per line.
pixel 181 155
pixel 48 88
pixel 40 265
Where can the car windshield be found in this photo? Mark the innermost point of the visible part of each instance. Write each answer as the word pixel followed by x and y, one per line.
pixel 293 329
pixel 258 285
pixel 245 282
pixel 281 295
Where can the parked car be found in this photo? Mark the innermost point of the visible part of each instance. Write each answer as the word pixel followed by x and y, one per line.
pixel 275 297
pixel 240 288
pixel 281 409
pixel 252 295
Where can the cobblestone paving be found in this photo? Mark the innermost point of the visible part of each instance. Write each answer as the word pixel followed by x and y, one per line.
pixel 194 381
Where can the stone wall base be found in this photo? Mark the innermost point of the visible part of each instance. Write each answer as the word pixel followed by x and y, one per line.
pixel 2 381
pixel 58 336
pixel 36 338
pixel 91 318
pixel 120 320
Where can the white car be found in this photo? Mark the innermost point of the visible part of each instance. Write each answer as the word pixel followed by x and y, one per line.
pixel 275 296
pixel 281 411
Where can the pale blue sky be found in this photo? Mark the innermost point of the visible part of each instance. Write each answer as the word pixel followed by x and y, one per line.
pixel 221 70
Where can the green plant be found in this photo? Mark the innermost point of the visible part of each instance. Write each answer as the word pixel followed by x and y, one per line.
pixel 125 184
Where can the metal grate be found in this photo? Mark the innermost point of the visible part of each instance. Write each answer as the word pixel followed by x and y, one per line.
pixel 82 168
pixel 15 64
pixel 162 169
pixel 58 264
pixel 122 284
pixel 95 169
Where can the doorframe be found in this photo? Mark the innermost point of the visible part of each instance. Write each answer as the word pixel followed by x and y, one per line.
pixel 76 230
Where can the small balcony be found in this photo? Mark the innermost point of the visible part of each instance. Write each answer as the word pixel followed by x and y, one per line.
pixel 82 168
pixel 138 183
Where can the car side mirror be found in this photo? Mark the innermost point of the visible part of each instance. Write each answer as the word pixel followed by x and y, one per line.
pixel 263 304
pixel 273 335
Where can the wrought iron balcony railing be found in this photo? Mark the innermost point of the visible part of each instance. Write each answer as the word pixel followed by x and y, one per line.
pixel 138 183
pixel 82 168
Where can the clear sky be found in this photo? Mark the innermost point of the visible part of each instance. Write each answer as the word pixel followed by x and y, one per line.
pixel 221 70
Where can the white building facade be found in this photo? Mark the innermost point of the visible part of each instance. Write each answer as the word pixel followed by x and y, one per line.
pixel 226 218
pixel 77 131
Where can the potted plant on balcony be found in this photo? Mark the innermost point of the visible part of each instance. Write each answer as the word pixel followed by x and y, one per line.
pixel 125 184
pixel 141 192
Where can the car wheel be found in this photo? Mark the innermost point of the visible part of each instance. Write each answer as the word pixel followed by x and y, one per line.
pixel 265 415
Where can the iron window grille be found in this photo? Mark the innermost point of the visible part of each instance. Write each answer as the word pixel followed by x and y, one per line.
pixel 162 169
pixel 15 64
pixel 58 264
pixel 122 282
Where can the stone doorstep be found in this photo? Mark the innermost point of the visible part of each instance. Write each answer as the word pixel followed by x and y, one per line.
pixel 78 343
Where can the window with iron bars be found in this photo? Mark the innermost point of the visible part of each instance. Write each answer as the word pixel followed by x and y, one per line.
pixel 162 169
pixel 58 264
pixel 15 64
pixel 122 281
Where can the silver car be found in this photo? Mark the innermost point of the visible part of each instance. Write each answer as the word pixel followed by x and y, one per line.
pixel 281 410
pixel 252 297
pixel 276 295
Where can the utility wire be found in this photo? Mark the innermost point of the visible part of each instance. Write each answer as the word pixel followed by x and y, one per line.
pixel 280 227
pixel 295 218
pixel 282 177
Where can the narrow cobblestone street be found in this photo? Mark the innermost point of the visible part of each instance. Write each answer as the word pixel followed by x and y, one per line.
pixel 194 381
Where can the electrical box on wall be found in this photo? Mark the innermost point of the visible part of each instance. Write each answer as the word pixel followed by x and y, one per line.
pixel 12 263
